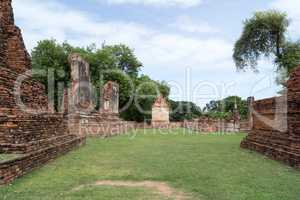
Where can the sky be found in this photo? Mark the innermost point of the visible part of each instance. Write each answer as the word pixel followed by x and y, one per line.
pixel 187 43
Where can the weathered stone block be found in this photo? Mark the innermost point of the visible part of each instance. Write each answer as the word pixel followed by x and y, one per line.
pixel 160 111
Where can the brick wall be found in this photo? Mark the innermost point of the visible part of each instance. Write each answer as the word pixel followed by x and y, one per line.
pixel 41 136
pixel 31 93
pixel 276 125
pixel 13 169
pixel 14 54
pixel 245 126
pixel 98 124
pixel 211 125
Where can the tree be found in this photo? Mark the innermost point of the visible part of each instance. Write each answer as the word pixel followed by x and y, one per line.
pixel 120 57
pixel 225 108
pixel 146 92
pixel 263 35
pixel 181 110
pixel 50 55
pixel 116 63
pixel 51 59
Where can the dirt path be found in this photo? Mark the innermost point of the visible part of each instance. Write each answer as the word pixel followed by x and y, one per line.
pixel 162 188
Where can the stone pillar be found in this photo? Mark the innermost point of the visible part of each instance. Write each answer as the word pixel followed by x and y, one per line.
pixel 236 119
pixel 250 102
pixel 110 98
pixel 81 90
pixel 160 111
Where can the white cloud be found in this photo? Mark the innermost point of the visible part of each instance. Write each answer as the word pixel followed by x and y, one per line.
pixel 291 7
pixel 187 24
pixel 166 55
pixel 41 20
pixel 166 3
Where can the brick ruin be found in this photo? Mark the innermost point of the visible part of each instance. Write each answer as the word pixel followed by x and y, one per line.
pixel 160 112
pixel 39 136
pixel 13 54
pixel 81 89
pixel 30 127
pixel 208 125
pixel 160 119
pixel 28 124
pixel 81 115
pixel 275 124
pixel 110 98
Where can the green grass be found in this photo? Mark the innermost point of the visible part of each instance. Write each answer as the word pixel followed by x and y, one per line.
pixel 207 167
pixel 7 157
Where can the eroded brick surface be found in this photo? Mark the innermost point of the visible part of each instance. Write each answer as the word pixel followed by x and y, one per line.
pixel 27 124
pixel 276 125
pixel 13 53
pixel 160 112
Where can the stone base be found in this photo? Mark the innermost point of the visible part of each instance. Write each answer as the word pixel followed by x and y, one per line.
pixel 13 169
pixel 99 125
pixel 275 145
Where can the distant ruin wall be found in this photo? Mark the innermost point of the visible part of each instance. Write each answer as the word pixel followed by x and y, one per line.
pixel 245 126
pixel 276 125
pixel 207 125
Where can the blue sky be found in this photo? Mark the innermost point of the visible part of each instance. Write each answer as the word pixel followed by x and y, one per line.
pixel 187 43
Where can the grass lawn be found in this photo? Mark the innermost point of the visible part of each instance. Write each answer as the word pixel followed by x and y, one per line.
pixel 207 167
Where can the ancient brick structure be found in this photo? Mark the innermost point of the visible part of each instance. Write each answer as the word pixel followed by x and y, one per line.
pixel 15 168
pixel 27 126
pixel 81 85
pixel 14 60
pixel 245 126
pixel 81 117
pixel 160 112
pixel 208 125
pixel 276 121
pixel 110 98
pixel 13 54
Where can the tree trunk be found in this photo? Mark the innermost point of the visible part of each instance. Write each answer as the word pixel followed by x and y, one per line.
pixel 278 45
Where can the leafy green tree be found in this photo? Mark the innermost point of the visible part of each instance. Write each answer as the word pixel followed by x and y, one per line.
pixel 50 63
pixel 225 108
pixel 120 57
pixel 110 63
pixel 290 58
pixel 146 92
pixel 263 35
pixel 181 110
pixel 48 55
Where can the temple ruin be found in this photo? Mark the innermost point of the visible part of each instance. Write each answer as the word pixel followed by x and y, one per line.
pixel 275 124
pixel 30 127
pixel 110 98
pixel 160 112
pixel 27 126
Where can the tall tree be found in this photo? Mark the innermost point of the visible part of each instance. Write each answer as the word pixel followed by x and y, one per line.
pixel 264 35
